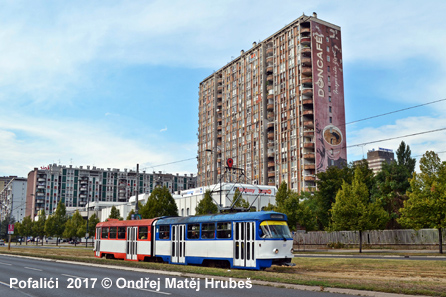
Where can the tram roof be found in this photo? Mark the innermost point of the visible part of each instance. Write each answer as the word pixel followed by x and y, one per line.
pixel 239 216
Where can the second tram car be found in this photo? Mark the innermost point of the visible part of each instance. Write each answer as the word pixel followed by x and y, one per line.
pixel 248 240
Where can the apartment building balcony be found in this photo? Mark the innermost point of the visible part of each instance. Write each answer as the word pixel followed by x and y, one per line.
pixel 269 78
pixel 218 143
pixel 270 125
pixel 269 87
pixel 270 105
pixel 309 178
pixel 308 124
pixel 40 187
pixel 270 144
pixel 219 104
pixel 307 101
pixel 271 135
pixel 306 70
pixel 309 166
pixel 40 194
pixel 83 182
pixel 271 173
pixel 219 127
pixel 309 156
pixel 269 49
pixel 307 80
pixel 308 112
pixel 271 183
pixel 219 95
pixel 270 153
pixel 82 196
pixel 270 116
pixel 309 132
pixel 304 30
pixel 307 91
pixel 271 164
pixel 41 180
pixel 308 144
pixel 310 189
pixel 305 39
pixel 269 58
pixel 269 68
pixel 219 87
pixel 306 61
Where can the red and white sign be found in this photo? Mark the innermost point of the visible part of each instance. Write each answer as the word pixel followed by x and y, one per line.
pixel 10 229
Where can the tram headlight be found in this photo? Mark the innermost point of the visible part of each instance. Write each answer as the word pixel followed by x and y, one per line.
pixel 275 251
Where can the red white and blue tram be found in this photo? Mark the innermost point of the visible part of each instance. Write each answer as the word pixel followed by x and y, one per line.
pixel 247 240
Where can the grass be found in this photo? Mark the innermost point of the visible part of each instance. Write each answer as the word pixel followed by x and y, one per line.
pixel 393 276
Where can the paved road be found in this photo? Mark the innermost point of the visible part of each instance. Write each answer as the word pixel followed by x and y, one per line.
pixel 73 279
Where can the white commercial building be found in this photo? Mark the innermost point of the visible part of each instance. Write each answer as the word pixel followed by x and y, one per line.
pixel 258 196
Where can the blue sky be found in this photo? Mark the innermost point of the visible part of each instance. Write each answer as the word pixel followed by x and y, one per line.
pixel 115 83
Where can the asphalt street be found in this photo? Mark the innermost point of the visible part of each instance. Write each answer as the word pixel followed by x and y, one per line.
pixel 33 277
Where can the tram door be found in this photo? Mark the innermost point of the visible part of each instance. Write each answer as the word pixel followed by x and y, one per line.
pixel 97 242
pixel 244 235
pixel 131 244
pixel 178 244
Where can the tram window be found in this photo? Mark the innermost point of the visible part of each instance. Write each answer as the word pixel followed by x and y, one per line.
pixel 113 232
pixel 224 230
pixel 164 232
pixel 105 233
pixel 208 231
pixel 193 231
pixel 121 232
pixel 143 231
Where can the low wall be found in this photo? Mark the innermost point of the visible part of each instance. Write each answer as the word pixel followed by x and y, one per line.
pixel 423 238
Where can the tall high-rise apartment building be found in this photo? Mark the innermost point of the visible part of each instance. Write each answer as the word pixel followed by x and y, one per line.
pixel 75 187
pixel 277 110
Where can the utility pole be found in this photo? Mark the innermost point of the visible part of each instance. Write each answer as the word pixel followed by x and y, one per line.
pixel 137 191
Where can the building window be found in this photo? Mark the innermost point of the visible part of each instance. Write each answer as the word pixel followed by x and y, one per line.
pixel 329 109
pixel 328 78
pixel 331 120
pixel 328 68
pixel 328 48
pixel 329 88
pixel 328 58
pixel 329 98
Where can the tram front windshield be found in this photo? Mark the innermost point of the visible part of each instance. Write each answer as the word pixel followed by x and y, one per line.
pixel 274 229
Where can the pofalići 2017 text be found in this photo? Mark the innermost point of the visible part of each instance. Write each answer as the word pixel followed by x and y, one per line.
pixel 122 283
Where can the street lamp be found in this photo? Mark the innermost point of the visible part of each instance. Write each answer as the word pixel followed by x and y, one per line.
pixel 212 151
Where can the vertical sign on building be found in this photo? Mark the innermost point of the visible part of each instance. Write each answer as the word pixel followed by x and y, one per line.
pixel 328 86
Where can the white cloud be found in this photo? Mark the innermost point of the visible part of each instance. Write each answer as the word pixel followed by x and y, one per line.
pixel 164 129
pixel 435 141
pixel 35 142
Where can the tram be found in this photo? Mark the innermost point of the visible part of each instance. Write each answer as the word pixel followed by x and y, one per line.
pixel 245 240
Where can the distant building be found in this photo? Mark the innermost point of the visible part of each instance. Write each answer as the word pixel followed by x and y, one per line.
pixel 75 187
pixel 375 158
pixel 13 197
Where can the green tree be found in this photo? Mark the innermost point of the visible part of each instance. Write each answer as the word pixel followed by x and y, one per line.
pixel 160 203
pixel 282 195
pixel 206 205
pixel 75 227
pixel 39 226
pixel 26 228
pixel 114 213
pixel 239 201
pixel 18 231
pixel 426 205
pixel 55 224
pixel 4 225
pixel 392 183
pixel 92 222
pixel 354 210
pixel 329 183
pixel 299 211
